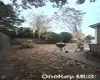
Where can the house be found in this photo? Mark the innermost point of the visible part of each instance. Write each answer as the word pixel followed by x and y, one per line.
pixel 97 32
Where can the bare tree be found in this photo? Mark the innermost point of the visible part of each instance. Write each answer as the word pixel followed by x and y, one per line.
pixel 40 24
pixel 70 18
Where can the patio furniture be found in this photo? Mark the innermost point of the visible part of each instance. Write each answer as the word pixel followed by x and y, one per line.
pixel 94 50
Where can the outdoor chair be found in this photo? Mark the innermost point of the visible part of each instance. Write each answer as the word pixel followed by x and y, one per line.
pixel 98 50
pixel 94 50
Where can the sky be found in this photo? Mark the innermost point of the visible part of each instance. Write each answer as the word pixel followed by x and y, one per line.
pixel 91 17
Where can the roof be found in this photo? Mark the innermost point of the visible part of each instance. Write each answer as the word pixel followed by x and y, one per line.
pixel 95 25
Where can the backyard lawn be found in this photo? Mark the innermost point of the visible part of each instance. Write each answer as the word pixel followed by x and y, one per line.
pixel 31 64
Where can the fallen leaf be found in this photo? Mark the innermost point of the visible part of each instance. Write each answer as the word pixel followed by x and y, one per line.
pixel 17 78
pixel 3 77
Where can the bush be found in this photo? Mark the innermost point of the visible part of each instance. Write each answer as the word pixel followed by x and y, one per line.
pixel 66 37
pixel 89 37
pixel 27 44
pixel 24 33
pixel 54 38
pixel 12 34
pixel 20 33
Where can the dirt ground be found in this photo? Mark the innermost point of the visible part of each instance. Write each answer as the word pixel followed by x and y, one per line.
pixel 38 62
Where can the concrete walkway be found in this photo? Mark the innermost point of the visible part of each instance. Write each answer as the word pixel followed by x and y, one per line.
pixel 79 56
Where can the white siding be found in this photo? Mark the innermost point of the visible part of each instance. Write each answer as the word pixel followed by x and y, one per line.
pixel 98 35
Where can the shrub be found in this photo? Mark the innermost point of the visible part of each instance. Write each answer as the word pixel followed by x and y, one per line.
pixel 18 33
pixel 89 37
pixel 27 44
pixel 54 38
pixel 66 37
pixel 24 33
pixel 12 34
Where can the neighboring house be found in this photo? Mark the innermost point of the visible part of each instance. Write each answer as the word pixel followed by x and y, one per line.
pixel 97 32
